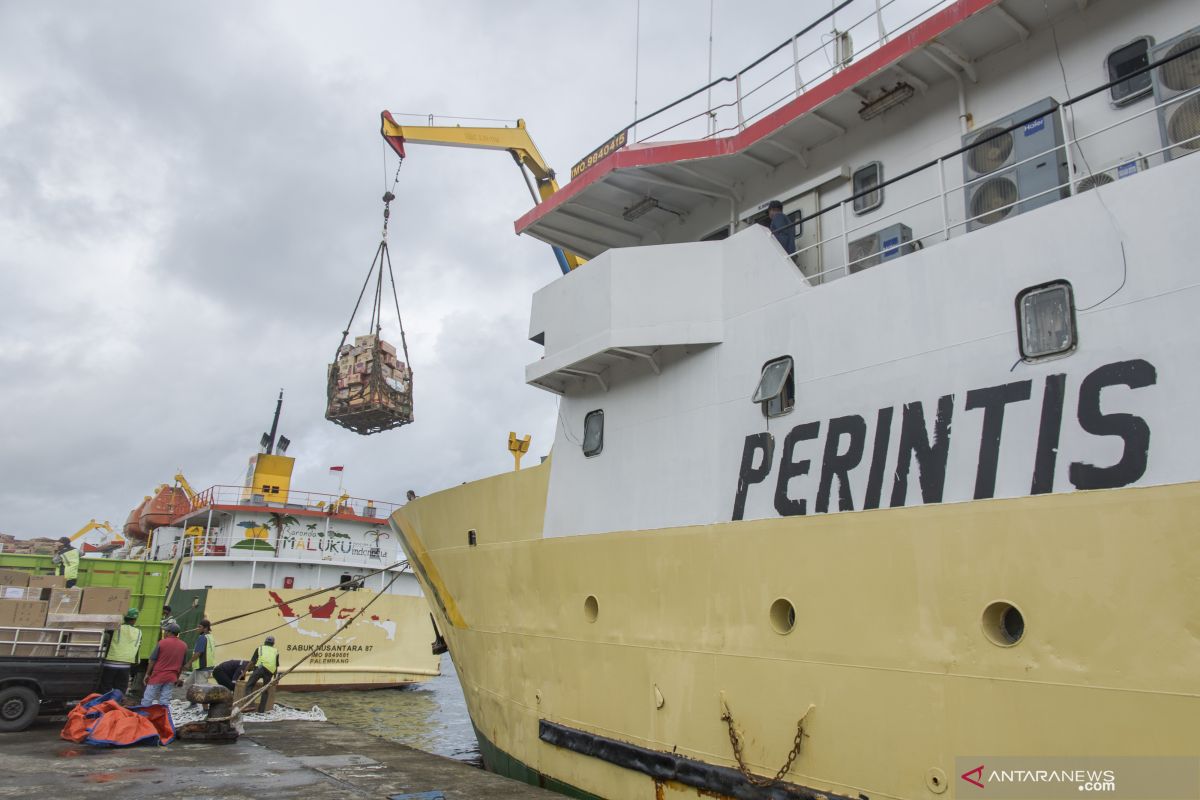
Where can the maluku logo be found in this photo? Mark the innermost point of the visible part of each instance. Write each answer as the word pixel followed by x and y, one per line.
pixel 977 780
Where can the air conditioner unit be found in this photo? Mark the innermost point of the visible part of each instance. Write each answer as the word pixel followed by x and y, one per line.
pixel 883 245
pixel 1129 165
pixel 1178 122
pixel 1010 186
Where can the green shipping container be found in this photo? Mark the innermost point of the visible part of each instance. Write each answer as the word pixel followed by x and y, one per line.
pixel 147 582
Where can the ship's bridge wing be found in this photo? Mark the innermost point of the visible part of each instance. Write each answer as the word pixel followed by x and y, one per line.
pixel 640 193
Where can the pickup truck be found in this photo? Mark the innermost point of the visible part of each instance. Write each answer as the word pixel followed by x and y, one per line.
pixel 45 670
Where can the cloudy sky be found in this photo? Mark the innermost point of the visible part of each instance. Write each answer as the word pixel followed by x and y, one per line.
pixel 189 200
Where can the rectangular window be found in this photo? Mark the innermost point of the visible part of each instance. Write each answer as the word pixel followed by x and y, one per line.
pixel 593 433
pixel 776 390
pixel 1046 320
pixel 867 178
pixel 1123 61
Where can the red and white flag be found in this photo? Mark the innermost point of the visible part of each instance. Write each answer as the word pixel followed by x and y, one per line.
pixel 336 469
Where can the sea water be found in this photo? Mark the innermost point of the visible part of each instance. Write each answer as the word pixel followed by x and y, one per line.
pixel 430 716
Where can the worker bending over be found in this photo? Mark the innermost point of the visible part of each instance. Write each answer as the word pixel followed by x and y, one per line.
pixel 266 663
pixel 227 673
pixel 122 654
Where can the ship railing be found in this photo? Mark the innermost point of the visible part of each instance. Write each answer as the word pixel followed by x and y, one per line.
pixel 729 103
pixel 293 499
pixel 929 184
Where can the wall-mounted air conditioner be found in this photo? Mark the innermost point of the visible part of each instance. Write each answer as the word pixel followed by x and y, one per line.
pixel 1010 186
pixel 1129 165
pixel 1180 121
pixel 883 245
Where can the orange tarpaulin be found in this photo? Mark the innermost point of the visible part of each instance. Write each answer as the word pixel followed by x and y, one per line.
pixel 102 721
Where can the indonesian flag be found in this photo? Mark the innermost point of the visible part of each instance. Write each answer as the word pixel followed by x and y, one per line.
pixel 336 469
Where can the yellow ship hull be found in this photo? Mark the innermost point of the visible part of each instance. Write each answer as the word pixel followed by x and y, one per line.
pixel 650 637
pixel 388 646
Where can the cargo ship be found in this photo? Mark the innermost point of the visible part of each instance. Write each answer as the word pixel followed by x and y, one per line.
pixel 316 564
pixel 848 512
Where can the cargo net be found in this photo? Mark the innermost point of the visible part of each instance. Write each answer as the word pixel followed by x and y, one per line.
pixel 370 386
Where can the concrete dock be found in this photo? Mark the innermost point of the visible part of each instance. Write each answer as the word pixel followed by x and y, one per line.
pixel 311 760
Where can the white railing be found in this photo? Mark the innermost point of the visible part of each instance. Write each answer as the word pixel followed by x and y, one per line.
pixel 934 191
pixel 294 499
pixel 728 104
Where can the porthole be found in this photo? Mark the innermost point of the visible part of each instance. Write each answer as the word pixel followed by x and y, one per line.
pixel 593 433
pixel 591 608
pixel 1046 321
pixel 1003 623
pixel 783 616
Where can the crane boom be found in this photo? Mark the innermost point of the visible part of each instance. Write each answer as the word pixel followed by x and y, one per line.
pixel 187 487
pixel 91 526
pixel 515 140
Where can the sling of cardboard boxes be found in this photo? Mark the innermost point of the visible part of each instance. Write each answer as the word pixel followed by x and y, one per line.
pixel 41 618
pixel 369 387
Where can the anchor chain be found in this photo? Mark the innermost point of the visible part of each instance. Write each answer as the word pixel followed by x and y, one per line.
pixel 736 743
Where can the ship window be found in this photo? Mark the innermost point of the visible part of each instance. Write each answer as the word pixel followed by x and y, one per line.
pixel 593 433
pixel 776 390
pixel 867 179
pixel 1046 320
pixel 1127 59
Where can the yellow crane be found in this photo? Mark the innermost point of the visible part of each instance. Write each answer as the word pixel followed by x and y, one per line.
pixel 182 482
pixel 515 140
pixel 91 526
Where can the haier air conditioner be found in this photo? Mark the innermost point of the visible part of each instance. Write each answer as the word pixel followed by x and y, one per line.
pixel 1011 180
pixel 1129 165
pixel 1178 122
pixel 883 245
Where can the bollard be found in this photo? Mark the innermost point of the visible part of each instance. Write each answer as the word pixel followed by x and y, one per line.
pixel 217 726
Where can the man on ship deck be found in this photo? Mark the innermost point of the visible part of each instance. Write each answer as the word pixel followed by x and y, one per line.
pixel 781 226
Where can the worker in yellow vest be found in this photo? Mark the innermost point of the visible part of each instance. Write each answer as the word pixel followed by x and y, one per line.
pixel 266 664
pixel 204 658
pixel 122 654
pixel 66 561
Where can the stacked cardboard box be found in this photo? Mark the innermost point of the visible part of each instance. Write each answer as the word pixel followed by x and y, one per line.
pixel 104 600
pixel 11 544
pixel 13 577
pixel 368 376
pixel 17 614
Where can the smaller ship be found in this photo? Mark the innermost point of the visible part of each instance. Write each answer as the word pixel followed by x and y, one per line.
pixel 264 544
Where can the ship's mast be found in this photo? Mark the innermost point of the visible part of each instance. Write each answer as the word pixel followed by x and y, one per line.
pixel 268 440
